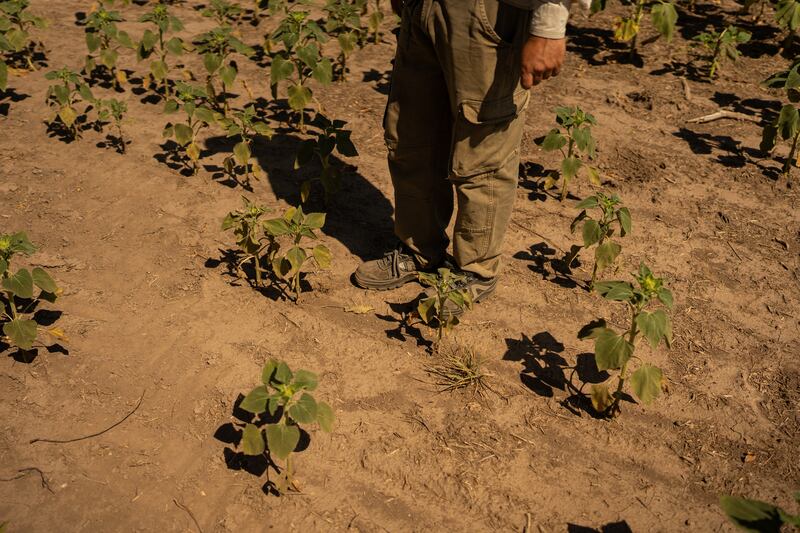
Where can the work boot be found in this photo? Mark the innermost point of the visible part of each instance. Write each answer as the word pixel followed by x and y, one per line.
pixel 394 269
pixel 479 288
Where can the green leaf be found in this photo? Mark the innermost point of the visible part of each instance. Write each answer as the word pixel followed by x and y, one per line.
pixel 280 70
pixel 228 75
pixel 751 515
pixel 268 370
pixel 252 440
pixel 299 97
pixel 21 331
pixel 241 152
pixel 614 290
pixel 788 122
pixel 212 62
pixel 322 255
pixel 3 266
pixel 325 417
pixel 584 141
pixel 570 167
pixel 427 309
pixel 296 257
pixel 655 326
pixel 68 115
pixel 159 69
pixel 43 280
pixel 256 401
pixel 20 284
pixel 646 383
pixel 282 373
pixel 277 227
pixel 588 203
pixel 664 18
pixel 611 350
pixel 665 296
pixel 175 46
pixel 304 411
pixel 308 54
pixel 624 217
pixel 282 439
pixel 315 220
pixel 592 232
pixel 606 254
pixel 305 380
pixel 3 75
pixel 323 71
pixel 183 134
pixel 554 140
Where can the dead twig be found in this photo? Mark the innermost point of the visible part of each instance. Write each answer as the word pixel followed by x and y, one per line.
pixel 189 512
pixel 22 472
pixel 723 113
pixel 687 91
pixel 109 428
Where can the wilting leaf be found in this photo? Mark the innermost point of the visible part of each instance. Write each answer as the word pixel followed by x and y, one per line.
pixel 427 309
pixel 359 309
pixel 624 217
pixel 601 398
pixel 282 439
pixel 241 152
pixel 183 134
pixel 664 18
pixel 646 383
pixel 611 350
pixel 322 256
pixel 299 97
pixel 252 440
pixel 570 167
pixel 606 254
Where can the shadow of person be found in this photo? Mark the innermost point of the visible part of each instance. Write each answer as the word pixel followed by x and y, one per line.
pixel 359 215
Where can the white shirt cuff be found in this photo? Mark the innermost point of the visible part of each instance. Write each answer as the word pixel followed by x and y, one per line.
pixel 549 19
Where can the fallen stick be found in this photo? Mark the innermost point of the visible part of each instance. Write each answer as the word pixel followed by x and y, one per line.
pixel 22 472
pixel 723 113
pixel 109 428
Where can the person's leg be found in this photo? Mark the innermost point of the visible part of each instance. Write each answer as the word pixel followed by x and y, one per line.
pixel 418 132
pixel 418 128
pixel 479 47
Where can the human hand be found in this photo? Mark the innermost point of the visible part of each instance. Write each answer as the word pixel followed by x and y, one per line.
pixel 542 58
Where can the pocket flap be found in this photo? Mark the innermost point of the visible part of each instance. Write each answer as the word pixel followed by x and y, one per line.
pixel 494 111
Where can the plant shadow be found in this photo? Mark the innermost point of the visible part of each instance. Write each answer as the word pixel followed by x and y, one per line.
pixel 382 80
pixel 273 288
pixel 589 43
pixel 611 527
pixel 547 264
pixel 230 433
pixel 405 312
pixel 545 371
pixel 8 97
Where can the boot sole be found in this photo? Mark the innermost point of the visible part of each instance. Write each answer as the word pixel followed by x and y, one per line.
pixel 483 295
pixel 375 285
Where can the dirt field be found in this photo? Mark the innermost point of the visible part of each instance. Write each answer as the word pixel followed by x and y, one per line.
pixel 152 312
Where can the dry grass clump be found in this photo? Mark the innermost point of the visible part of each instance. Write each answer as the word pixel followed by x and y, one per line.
pixel 459 367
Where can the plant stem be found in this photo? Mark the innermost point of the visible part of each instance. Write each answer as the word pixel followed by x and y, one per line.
pixel 789 160
pixel 614 407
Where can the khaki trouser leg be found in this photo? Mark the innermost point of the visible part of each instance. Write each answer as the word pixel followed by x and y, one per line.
pixel 418 129
pixel 461 58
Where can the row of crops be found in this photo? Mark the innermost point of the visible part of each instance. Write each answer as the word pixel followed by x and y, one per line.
pixel 191 78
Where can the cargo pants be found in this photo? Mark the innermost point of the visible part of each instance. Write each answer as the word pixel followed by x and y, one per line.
pixel 454 120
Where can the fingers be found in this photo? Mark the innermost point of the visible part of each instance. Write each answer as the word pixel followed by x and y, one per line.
pixel 527 80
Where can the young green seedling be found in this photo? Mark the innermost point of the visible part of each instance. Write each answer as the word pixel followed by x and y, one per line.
pixel 615 351
pixel 286 395
pixel 296 226
pixel 224 12
pixel 156 43
pixel 104 41
pixel 344 22
pixel 663 15
pixel 580 146
pixel 217 46
pixel 787 124
pixel 435 309
pixel 787 15
pixel 330 136
pixel 16 46
pixel 63 97
pixel 191 99
pixel 246 125
pixel 255 244
pixel 300 59
pixel 599 231
pixel 114 110
pixel 17 298
pixel 374 22
pixel 719 46
pixel 758 516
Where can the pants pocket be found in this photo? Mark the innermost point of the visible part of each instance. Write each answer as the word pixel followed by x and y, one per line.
pixel 486 134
